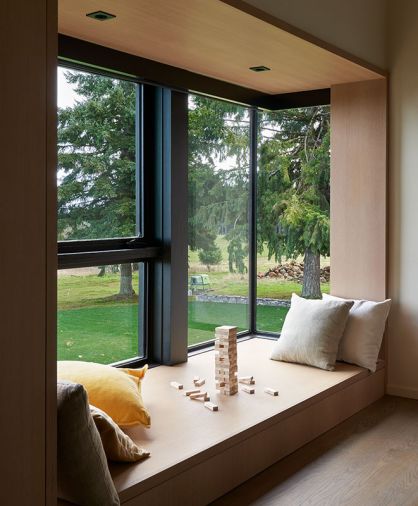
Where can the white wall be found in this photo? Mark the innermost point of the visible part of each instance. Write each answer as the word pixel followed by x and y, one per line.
pixel 357 26
pixel 403 203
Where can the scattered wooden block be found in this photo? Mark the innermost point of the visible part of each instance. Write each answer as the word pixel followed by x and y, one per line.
pixel 191 391
pixel 196 378
pixel 247 380
pixel 177 385
pixel 201 396
pixel 249 390
pixel 211 405
pixel 271 391
pixel 200 382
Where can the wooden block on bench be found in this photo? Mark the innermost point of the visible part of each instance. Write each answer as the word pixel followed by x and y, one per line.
pixel 211 405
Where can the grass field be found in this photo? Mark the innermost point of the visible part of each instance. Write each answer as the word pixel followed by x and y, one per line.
pixel 93 326
pixel 205 316
pixel 263 262
pixel 109 333
pixel 98 334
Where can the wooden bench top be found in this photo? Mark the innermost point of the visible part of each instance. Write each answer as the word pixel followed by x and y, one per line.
pixel 184 432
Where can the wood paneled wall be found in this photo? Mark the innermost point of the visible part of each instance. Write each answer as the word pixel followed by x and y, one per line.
pixel 358 189
pixel 28 252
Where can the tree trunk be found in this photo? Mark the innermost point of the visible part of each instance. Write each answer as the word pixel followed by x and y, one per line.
pixel 311 276
pixel 126 289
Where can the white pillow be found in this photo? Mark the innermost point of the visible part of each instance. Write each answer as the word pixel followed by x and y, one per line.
pixel 312 331
pixel 363 333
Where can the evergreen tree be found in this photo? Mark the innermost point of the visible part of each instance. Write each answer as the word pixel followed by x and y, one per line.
pixel 96 163
pixel 96 176
pixel 211 255
pixel 294 189
pixel 218 193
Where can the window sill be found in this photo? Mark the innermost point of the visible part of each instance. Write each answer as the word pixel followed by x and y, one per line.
pixel 185 436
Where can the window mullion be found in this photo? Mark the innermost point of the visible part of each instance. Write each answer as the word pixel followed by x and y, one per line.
pixel 252 223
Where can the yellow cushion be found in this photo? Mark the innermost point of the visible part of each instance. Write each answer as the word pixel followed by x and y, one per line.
pixel 115 391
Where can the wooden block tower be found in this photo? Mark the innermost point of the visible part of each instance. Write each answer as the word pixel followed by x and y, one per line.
pixel 226 367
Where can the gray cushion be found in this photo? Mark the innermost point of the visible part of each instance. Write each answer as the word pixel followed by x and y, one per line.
pixel 312 332
pixel 83 473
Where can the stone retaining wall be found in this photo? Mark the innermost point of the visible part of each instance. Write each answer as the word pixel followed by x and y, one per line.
pixel 231 299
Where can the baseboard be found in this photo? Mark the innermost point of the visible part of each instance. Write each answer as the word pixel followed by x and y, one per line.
pixel 399 391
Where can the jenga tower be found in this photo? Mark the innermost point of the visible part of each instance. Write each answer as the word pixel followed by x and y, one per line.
pixel 226 360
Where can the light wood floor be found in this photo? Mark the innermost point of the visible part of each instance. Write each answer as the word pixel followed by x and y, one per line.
pixel 369 460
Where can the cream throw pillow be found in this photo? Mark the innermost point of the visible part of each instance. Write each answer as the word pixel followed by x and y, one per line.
pixel 363 333
pixel 311 332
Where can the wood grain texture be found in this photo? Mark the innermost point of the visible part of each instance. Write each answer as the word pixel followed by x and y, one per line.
pixel 210 478
pixel 51 263
pixel 358 190
pixel 370 459
pixel 302 34
pixel 214 39
pixel 252 430
pixel 27 298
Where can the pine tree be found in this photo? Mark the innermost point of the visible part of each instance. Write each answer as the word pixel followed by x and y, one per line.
pixel 294 189
pixel 96 163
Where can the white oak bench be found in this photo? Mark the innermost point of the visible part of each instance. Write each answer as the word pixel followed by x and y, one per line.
pixel 198 455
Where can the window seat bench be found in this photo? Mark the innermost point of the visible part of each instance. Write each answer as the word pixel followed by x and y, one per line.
pixel 198 455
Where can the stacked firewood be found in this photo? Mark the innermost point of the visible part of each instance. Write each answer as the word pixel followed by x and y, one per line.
pixel 293 271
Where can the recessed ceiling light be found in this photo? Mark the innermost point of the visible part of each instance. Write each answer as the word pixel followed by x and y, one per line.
pixel 259 68
pixel 100 15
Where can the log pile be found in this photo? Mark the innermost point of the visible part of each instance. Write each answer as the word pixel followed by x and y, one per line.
pixel 293 271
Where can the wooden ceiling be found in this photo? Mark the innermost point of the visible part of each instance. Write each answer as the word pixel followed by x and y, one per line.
pixel 215 39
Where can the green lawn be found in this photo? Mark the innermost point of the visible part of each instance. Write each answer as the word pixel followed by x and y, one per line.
pixel 222 283
pixel 92 326
pixel 108 333
pixel 85 289
pixel 98 334
pixel 205 316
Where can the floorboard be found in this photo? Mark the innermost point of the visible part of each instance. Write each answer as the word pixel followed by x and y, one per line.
pixel 370 459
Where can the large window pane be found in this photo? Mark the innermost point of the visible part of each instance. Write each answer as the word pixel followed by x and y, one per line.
pixel 97 164
pixel 100 313
pixel 218 216
pixel 293 210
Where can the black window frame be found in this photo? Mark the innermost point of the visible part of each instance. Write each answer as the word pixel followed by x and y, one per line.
pixel 165 95
pixel 143 248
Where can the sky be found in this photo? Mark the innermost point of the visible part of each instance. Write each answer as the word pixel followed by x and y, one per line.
pixel 66 93
pixel 66 97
